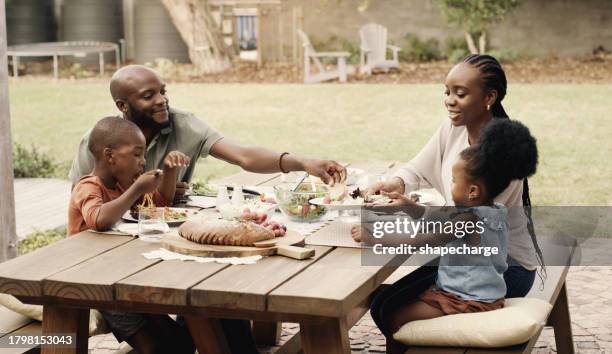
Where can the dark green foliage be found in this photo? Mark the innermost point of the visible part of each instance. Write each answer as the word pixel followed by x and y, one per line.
pixel 31 163
pixel 415 49
pixel 39 239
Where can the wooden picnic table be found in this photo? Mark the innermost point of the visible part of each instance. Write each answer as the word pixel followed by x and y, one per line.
pixel 326 295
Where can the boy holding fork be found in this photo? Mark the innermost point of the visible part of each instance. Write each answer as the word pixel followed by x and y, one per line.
pixel 98 201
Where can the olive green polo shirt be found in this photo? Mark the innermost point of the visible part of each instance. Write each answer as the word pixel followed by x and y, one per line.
pixel 186 133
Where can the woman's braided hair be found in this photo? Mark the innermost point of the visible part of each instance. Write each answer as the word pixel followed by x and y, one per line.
pixel 494 78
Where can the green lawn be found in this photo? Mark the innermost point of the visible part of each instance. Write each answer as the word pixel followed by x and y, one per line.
pixel 346 122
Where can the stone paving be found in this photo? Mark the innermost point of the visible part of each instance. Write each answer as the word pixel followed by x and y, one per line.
pixel 590 307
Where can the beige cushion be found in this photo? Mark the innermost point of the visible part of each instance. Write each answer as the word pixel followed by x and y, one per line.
pixel 517 322
pixel 97 325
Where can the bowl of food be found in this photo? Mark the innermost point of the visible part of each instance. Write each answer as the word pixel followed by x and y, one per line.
pixel 296 204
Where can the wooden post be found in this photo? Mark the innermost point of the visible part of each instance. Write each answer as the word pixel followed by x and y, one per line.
pixel 128 29
pixel 258 31
pixel 298 24
pixel 280 35
pixel 8 235
pixel 294 35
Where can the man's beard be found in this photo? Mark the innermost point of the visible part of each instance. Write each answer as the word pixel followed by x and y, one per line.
pixel 142 120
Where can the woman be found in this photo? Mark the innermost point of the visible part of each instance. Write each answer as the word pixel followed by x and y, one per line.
pixel 475 89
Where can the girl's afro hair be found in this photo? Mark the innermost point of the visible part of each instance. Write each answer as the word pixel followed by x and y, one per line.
pixel 506 151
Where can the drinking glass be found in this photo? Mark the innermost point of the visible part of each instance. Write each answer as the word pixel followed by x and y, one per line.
pixel 151 224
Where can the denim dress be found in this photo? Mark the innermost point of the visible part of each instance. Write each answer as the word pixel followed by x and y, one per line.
pixel 477 276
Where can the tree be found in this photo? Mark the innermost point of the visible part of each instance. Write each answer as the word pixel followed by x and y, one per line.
pixel 207 50
pixel 474 17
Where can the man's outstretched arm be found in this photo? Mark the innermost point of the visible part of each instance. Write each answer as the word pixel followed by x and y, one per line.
pixel 261 160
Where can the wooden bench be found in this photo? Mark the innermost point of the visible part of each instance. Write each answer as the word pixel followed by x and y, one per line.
pixel 12 323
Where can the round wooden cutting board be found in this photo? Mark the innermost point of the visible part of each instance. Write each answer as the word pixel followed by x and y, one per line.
pixel 176 243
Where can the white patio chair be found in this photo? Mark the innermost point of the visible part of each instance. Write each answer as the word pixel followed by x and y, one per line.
pixel 374 49
pixel 323 74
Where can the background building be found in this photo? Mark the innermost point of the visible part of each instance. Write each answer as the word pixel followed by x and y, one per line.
pixel 536 28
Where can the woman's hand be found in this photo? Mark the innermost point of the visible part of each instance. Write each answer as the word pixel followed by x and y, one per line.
pixel 394 185
pixel 399 202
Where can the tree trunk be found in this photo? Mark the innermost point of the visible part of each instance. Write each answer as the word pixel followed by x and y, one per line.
pixel 482 43
pixel 470 42
pixel 207 50
pixel 8 236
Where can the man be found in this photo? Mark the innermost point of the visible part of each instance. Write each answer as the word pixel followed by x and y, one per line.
pixel 140 95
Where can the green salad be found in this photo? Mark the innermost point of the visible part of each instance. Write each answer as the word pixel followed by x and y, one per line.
pixel 204 188
pixel 296 205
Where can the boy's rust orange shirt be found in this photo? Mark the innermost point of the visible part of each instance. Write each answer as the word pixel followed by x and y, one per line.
pixel 87 199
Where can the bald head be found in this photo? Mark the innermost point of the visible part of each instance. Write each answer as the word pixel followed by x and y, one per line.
pixel 130 79
pixel 113 132
pixel 140 94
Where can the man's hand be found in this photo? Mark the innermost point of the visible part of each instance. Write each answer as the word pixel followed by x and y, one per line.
pixel 172 162
pixel 181 189
pixel 329 171
pixel 148 181
pixel 176 159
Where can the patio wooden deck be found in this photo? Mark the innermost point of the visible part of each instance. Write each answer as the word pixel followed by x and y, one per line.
pixel 40 204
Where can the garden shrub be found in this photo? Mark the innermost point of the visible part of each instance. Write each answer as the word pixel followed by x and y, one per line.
pixel 31 163
pixel 456 49
pixel 39 239
pixel 335 44
pixel 415 49
pixel 353 48
pixel 504 55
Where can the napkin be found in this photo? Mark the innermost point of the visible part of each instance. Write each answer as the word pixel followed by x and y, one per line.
pixel 125 229
pixel 201 201
pixel 167 255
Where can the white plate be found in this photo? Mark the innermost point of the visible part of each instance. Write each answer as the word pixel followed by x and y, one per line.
pixel 425 198
pixel 190 213
pixel 344 206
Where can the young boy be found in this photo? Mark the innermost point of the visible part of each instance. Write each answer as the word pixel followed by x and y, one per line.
pixel 100 199
pixel 117 182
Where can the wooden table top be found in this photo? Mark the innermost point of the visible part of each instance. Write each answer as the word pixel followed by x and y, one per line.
pixel 95 268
